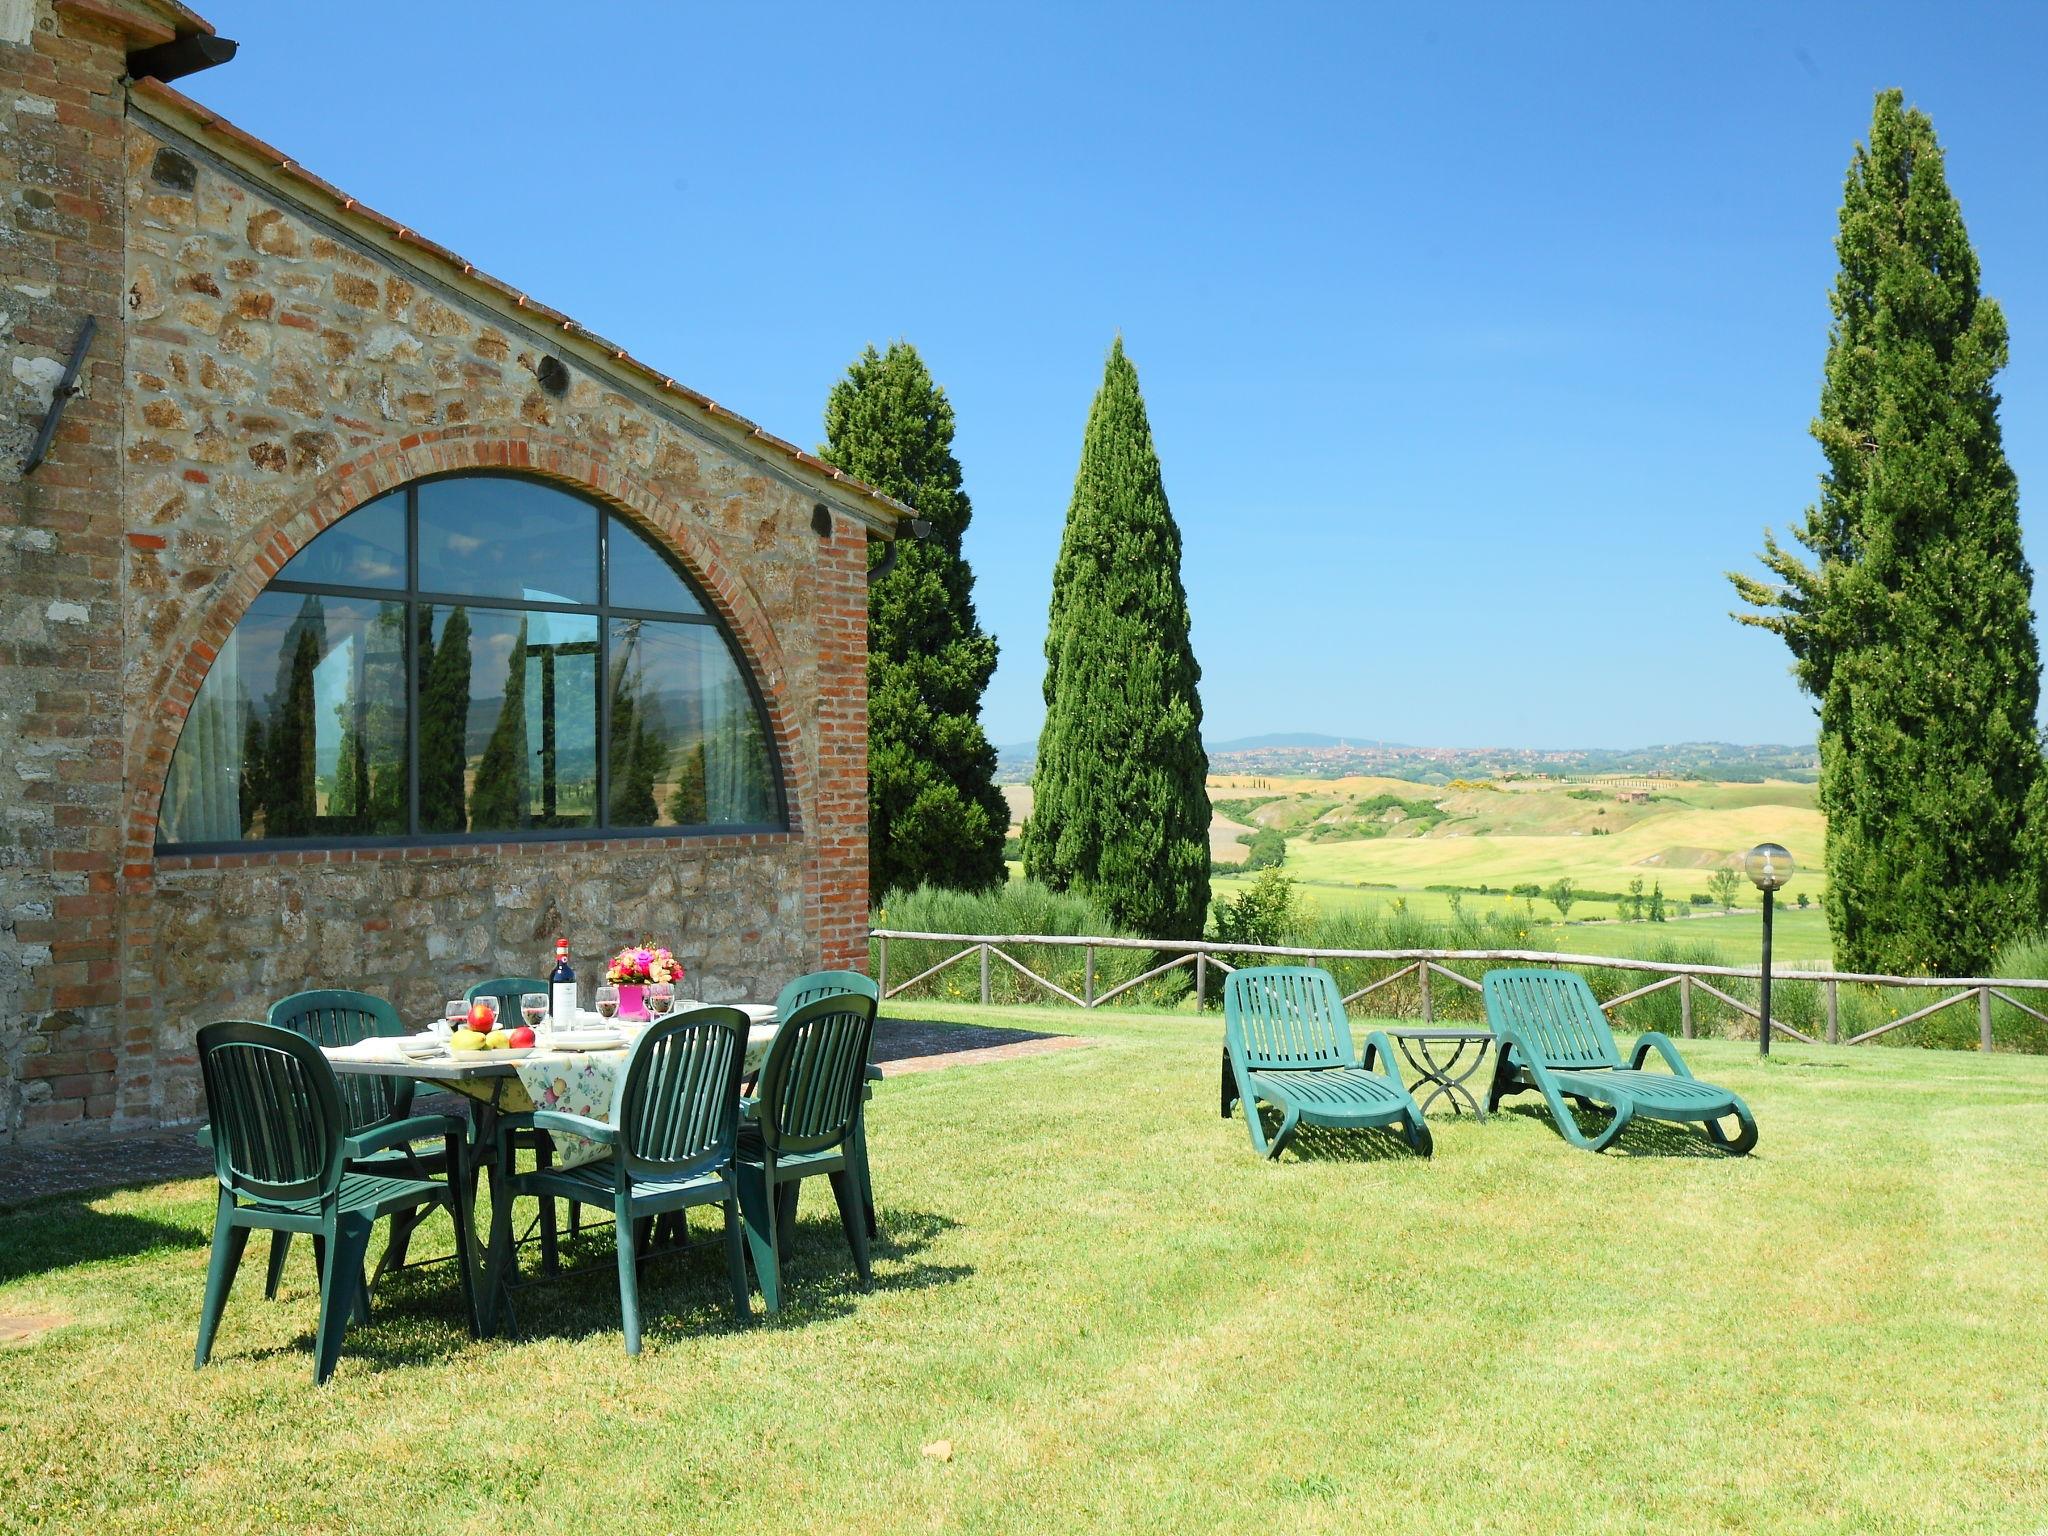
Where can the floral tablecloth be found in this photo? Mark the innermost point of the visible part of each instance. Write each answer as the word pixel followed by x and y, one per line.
pixel 587 1083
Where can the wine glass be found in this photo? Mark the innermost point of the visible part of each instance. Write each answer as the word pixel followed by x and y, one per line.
pixel 661 997
pixel 533 1007
pixel 608 1002
pixel 455 1016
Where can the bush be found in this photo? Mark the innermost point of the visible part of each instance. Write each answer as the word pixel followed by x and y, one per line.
pixel 1268 846
pixel 1264 913
pixel 1017 907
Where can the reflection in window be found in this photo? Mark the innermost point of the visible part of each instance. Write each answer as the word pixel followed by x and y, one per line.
pixel 494 536
pixel 300 730
pixel 687 747
pixel 365 549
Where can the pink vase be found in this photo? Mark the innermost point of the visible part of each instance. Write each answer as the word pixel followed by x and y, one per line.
pixel 632 1001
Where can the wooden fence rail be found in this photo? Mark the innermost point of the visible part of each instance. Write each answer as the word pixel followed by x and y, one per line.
pixel 1425 966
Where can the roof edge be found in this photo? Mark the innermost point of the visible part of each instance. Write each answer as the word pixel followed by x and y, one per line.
pixel 883 514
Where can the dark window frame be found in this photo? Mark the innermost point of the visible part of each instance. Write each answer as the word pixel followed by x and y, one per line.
pixel 413 599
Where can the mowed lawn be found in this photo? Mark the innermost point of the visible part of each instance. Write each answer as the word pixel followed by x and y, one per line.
pixel 1120 1320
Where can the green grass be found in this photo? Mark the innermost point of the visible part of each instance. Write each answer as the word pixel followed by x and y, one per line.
pixel 1123 1322
pixel 1800 934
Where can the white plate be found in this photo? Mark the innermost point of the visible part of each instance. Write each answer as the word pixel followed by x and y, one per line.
pixel 588 1040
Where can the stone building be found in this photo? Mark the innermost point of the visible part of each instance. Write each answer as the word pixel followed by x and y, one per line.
pixel 368 622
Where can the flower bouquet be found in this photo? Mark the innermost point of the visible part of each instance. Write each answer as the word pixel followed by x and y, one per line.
pixel 636 968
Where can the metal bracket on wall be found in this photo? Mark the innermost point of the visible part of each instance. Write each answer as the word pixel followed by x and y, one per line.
pixel 66 388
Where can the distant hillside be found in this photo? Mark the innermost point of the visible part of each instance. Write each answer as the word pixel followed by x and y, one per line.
pixel 1296 739
pixel 1316 755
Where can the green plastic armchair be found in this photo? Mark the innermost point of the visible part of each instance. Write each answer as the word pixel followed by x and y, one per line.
pixel 286 1161
pixel 672 1148
pixel 798 1125
pixel 808 989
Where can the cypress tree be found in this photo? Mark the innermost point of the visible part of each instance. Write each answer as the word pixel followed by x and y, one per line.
pixel 1121 809
pixel 639 745
pixel 444 721
pixel 934 812
pixel 293 780
pixel 1912 626
pixel 503 794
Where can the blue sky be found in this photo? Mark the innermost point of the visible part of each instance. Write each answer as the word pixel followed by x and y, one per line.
pixel 1478 340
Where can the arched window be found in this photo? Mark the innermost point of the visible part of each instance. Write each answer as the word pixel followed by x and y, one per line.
pixel 477 656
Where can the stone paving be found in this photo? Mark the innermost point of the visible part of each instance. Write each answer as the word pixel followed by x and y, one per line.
pixel 39 1169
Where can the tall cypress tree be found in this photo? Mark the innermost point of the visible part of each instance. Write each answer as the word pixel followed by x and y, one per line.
pixel 1913 625
pixel 293 781
pixel 502 797
pixel 444 720
pixel 1121 808
pixel 934 812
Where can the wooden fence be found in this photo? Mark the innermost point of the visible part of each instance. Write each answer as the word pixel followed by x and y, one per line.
pixel 1428 966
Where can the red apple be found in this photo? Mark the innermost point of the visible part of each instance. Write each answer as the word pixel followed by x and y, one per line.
pixel 483 1015
pixel 519 1038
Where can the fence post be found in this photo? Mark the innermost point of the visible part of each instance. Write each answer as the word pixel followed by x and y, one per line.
pixel 984 975
pixel 1428 1008
pixel 1834 1013
pixel 882 970
pixel 1088 976
pixel 1201 979
pixel 1685 1006
pixel 1983 1018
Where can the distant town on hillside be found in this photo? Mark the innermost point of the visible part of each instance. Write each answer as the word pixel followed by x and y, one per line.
pixel 1321 756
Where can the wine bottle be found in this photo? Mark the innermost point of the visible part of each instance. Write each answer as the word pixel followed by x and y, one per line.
pixel 562 988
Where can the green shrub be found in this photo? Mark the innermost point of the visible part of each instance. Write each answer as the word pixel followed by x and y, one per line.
pixel 1017 907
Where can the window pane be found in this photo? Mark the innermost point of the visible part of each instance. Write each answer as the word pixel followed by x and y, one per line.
pixel 642 576
pixel 687 745
pixel 496 537
pixel 508 720
pixel 364 549
pixel 299 729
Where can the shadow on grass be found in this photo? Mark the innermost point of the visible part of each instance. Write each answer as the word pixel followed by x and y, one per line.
pixel 684 1291
pixel 61 1233
pixel 1340 1144
pixel 1640 1138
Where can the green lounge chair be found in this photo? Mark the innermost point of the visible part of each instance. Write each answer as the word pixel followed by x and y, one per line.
pixel 808 989
pixel 799 1124
pixel 286 1161
pixel 1550 1036
pixel 1287 1042
pixel 672 1148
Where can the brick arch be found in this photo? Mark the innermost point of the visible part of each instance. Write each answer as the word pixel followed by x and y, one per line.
pixel 344 488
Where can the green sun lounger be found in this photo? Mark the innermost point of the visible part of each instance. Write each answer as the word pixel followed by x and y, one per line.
pixel 1287 1042
pixel 1551 1037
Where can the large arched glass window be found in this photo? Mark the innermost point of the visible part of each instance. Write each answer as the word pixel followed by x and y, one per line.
pixel 472 656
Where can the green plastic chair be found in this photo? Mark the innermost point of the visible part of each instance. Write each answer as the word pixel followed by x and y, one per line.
pixel 808 989
pixel 799 1124
pixel 285 1158
pixel 1287 1042
pixel 672 1148
pixel 1551 1037
pixel 333 1017
pixel 506 991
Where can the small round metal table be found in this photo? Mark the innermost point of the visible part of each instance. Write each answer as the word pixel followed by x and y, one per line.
pixel 1421 1044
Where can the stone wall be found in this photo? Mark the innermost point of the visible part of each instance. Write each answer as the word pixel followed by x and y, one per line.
pixel 265 365
pixel 63 1032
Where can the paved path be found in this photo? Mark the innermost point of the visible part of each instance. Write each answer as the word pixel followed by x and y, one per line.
pixel 39 1169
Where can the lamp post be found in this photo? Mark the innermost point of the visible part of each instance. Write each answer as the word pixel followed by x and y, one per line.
pixel 1769 867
